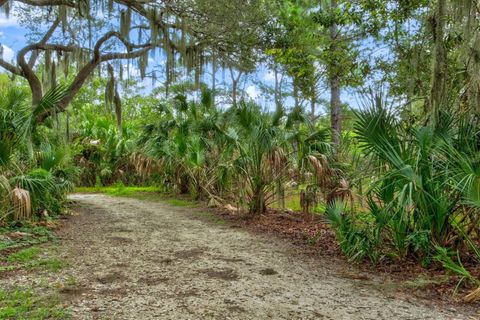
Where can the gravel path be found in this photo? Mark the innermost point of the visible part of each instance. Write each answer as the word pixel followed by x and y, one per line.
pixel 136 259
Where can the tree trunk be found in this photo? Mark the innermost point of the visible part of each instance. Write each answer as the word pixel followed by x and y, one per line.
pixel 336 112
pixel 257 204
pixel 295 95
pixel 234 93
pixel 118 113
pixel 67 127
pixel 439 68
pixel 235 81
pixel 277 93
pixel 214 80
pixel 335 103
pixel 312 107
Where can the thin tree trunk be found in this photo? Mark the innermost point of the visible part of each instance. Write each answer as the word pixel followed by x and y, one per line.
pixel 67 133
pixel 214 80
pixel 235 81
pixel 234 93
pixel 335 103
pixel 336 112
pixel 312 107
pixel 439 68
pixel 295 95
pixel 277 88
pixel 118 113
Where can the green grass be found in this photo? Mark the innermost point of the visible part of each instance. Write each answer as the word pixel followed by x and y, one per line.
pixel 24 255
pixel 141 193
pixel 32 258
pixel 35 235
pixel 212 218
pixel 25 304
pixel 181 203
pixel 292 202
pixel 119 190
pixel 423 281
pixel 49 264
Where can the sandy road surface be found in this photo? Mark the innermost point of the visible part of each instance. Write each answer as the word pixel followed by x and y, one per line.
pixel 136 259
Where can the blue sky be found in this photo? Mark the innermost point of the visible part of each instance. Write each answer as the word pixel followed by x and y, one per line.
pixel 12 36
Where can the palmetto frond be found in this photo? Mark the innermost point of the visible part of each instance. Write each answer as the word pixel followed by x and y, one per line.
pixel 50 99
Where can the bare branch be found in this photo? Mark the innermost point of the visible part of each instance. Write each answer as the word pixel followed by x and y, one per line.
pixel 114 34
pixel 46 37
pixel 53 46
pixel 46 3
pixel 126 55
pixel 10 67
pixel 26 69
pixel 88 68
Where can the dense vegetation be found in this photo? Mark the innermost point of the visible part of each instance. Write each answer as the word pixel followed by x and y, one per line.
pixel 396 175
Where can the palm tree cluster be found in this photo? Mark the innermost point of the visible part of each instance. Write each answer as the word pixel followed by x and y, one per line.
pixel 35 171
pixel 424 190
pixel 240 154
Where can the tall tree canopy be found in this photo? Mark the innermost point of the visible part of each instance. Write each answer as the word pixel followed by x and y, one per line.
pixel 189 33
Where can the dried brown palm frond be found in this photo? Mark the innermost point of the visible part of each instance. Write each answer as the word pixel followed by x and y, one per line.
pixel 275 164
pixel 275 161
pixel 82 162
pixel 144 165
pixel 22 204
pixel 318 165
pixel 473 296
pixel 341 191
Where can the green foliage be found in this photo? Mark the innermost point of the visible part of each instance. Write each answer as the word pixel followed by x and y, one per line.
pixel 242 152
pixel 21 157
pixel 14 121
pixel 357 240
pixel 425 182
pixel 446 258
pixel 46 190
pixel 412 174
pixel 50 99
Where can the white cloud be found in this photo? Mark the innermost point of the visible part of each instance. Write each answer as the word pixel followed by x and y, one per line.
pixel 8 22
pixel 252 92
pixel 7 53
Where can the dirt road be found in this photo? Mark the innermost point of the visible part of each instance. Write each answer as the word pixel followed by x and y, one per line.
pixel 137 259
